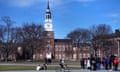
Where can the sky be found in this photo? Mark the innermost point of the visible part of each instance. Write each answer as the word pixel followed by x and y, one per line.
pixel 67 15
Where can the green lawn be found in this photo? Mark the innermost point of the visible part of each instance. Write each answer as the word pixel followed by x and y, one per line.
pixel 7 68
pixel 2 68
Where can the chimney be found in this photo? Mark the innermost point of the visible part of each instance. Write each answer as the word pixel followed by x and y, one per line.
pixel 117 31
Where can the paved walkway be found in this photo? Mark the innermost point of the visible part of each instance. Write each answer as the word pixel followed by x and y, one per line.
pixel 52 70
pixel 63 71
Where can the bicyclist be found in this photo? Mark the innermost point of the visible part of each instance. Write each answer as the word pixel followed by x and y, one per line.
pixel 62 63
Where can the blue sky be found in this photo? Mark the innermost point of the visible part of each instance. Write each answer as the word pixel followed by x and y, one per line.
pixel 67 15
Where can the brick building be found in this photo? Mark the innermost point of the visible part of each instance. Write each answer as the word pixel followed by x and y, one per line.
pixel 58 48
pixel 108 44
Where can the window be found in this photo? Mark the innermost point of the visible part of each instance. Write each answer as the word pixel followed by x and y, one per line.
pixel 80 55
pixel 59 48
pixel 59 56
pixel 56 48
pixel 84 48
pixel 56 55
pixel 84 55
pixel 74 56
pixel 74 48
pixel 63 48
pixel 88 55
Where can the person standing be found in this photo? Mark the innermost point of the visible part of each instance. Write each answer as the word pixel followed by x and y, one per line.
pixel 103 63
pixel 85 63
pixel 93 63
pixel 82 63
pixel 98 62
pixel 111 59
pixel 106 62
pixel 88 63
pixel 115 62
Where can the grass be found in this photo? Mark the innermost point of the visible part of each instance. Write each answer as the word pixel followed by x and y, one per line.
pixel 13 67
pixel 8 68
pixel 41 61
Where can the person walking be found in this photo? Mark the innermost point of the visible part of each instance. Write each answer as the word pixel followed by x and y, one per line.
pixel 62 63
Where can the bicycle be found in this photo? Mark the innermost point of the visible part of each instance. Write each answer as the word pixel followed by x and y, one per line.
pixel 65 69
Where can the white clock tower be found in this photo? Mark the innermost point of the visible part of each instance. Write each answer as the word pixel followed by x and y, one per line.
pixel 48 21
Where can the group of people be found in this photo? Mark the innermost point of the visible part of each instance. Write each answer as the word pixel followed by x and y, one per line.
pixel 44 66
pixel 97 63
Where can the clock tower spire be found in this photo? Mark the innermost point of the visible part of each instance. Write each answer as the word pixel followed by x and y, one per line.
pixel 48 20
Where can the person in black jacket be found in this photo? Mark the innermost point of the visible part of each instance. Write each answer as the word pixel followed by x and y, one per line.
pixel 93 63
pixel 82 63
pixel 111 59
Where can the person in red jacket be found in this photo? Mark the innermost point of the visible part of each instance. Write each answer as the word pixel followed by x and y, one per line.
pixel 115 62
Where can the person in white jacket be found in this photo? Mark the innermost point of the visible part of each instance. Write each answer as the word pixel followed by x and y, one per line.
pixel 38 67
pixel 88 63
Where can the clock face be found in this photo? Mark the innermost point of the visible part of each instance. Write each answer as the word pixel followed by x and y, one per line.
pixel 48 25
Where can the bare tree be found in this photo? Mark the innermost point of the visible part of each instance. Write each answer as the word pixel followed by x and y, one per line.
pixel 99 33
pixel 7 20
pixel 2 32
pixel 79 37
pixel 30 35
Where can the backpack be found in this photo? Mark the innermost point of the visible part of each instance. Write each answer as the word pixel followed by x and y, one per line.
pixel 115 61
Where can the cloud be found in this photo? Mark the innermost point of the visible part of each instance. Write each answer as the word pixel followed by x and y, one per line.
pixel 55 3
pixel 28 3
pixel 22 3
pixel 85 1
pixel 115 21
pixel 18 3
pixel 114 15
